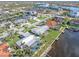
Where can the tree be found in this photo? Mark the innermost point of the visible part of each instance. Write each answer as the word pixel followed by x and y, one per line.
pixel 66 13
pixel 68 23
pixel 26 51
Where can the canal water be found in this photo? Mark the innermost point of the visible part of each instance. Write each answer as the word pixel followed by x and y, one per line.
pixel 66 46
pixel 73 8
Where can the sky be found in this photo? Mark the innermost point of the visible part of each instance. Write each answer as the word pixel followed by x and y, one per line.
pixel 39 0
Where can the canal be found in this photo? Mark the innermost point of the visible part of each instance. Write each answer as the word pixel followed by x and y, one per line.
pixel 66 46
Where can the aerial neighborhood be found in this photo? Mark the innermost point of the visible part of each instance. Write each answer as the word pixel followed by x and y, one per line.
pixel 30 29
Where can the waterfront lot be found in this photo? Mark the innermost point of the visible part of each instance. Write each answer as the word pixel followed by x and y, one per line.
pixel 73 26
pixel 47 40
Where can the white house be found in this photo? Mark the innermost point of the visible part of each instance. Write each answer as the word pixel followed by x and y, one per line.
pixel 20 21
pixel 24 34
pixel 33 17
pixel 42 4
pixel 59 19
pixel 40 30
pixel 4 35
pixel 28 41
pixel 74 22
pixel 5 12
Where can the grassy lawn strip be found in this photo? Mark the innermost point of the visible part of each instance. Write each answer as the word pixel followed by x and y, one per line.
pixel 41 17
pixel 26 30
pixel 12 40
pixel 73 26
pixel 32 21
pixel 47 40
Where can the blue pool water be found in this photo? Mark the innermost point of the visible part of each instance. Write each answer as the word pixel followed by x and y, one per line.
pixel 35 46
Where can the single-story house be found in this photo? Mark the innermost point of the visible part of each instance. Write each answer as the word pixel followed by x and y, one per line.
pixel 29 41
pixel 42 4
pixel 20 21
pixel 74 22
pixel 23 35
pixel 59 19
pixel 33 17
pixel 31 12
pixel 74 14
pixel 6 12
pixel 51 23
pixel 57 8
pixel 4 23
pixel 21 29
pixel 40 30
pixel 4 35
pixel 4 52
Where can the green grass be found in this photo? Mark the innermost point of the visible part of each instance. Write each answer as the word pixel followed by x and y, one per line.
pixel 51 35
pixel 47 40
pixel 26 29
pixel 41 17
pixel 73 26
pixel 12 40
pixel 32 21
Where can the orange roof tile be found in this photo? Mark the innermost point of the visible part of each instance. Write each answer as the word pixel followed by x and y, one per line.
pixel 51 23
pixel 3 50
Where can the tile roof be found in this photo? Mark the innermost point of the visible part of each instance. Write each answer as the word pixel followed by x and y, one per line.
pixel 51 23
pixel 3 50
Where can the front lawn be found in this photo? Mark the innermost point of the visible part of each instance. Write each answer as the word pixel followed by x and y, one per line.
pixel 12 39
pixel 32 21
pixel 41 17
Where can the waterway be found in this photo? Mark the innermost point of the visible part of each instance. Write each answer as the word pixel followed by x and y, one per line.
pixel 72 8
pixel 66 46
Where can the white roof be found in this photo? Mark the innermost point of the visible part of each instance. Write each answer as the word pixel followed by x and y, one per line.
pixel 45 27
pixel 4 34
pixel 59 16
pixel 20 20
pixel 24 34
pixel 40 30
pixel 29 41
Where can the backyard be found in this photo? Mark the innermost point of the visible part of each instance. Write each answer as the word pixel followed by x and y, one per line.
pixel 47 40
pixel 73 26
